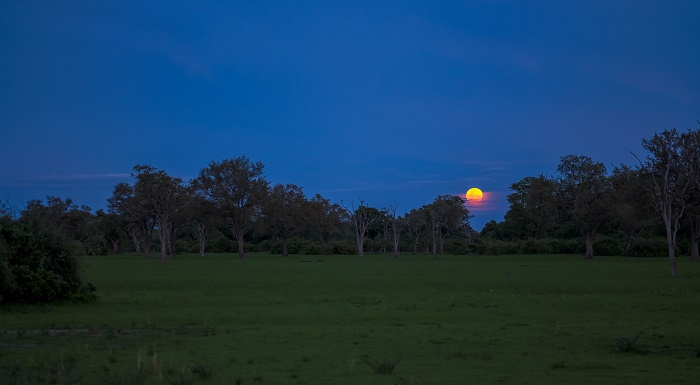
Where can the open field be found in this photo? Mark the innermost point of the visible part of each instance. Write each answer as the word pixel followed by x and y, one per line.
pixel 340 320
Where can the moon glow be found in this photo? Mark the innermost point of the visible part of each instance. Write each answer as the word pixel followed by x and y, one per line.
pixel 474 194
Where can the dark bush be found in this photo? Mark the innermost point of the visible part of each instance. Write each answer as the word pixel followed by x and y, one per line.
pixel 606 246
pixel 649 247
pixel 185 246
pixel 532 246
pixel 221 245
pixel 342 248
pixel 38 263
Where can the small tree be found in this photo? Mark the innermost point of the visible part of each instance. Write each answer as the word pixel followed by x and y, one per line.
pixel 416 220
pixel 362 218
pixel 397 223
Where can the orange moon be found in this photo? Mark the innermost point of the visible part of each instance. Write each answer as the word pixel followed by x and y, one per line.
pixel 475 194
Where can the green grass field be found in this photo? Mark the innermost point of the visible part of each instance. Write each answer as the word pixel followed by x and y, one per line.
pixel 342 320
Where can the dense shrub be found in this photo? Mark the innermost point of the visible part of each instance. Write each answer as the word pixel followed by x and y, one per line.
pixel 306 247
pixel 38 264
pixel 464 247
pixel 221 245
pixel 649 247
pixel 186 246
pixel 342 248
pixel 533 246
pixel 95 245
pixel 606 246
pixel 265 245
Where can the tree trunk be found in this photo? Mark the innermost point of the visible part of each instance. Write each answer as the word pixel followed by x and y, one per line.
pixel 201 234
pixel 397 233
pixel 172 238
pixel 163 235
pixel 360 245
pixel 385 236
pixel 135 239
pixel 147 242
pixel 694 235
pixel 239 236
pixel 442 242
pixel 241 248
pixel 285 242
pixel 434 239
pixel 115 244
pixel 629 238
pixel 670 239
pixel 589 244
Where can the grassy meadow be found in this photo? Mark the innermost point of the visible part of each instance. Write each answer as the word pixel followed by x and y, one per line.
pixel 269 319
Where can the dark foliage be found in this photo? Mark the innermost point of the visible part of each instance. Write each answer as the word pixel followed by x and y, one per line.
pixel 37 263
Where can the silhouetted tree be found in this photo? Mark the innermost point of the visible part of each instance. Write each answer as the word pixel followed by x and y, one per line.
pixel 362 218
pixel 584 188
pixel 158 194
pixel 326 219
pixel 416 221
pixel 237 188
pixel 286 212
pixel 630 203
pixel 132 209
pixel 668 164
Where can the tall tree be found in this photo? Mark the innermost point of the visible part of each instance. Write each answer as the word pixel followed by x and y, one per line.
pixel 137 219
pixel 534 209
pixel 158 193
pixel 693 220
pixel 691 145
pixel 630 204
pixel 237 188
pixel 286 212
pixel 668 163
pixel 447 215
pixel 584 187
pixel 327 219
pixel 453 216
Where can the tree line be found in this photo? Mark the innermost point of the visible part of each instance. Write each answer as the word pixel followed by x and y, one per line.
pixel 233 199
pixel 626 209
pixel 635 210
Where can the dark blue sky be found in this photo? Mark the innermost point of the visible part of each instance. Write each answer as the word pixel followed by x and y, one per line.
pixel 374 100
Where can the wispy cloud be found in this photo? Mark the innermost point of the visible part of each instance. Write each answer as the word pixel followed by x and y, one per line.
pixel 78 177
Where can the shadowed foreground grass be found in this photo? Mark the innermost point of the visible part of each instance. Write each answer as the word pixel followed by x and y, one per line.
pixel 363 320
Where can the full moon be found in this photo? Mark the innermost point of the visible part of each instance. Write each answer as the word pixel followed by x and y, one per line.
pixel 474 194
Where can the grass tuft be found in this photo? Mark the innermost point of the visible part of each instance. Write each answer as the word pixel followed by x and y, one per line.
pixel 202 371
pixel 628 344
pixel 383 367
